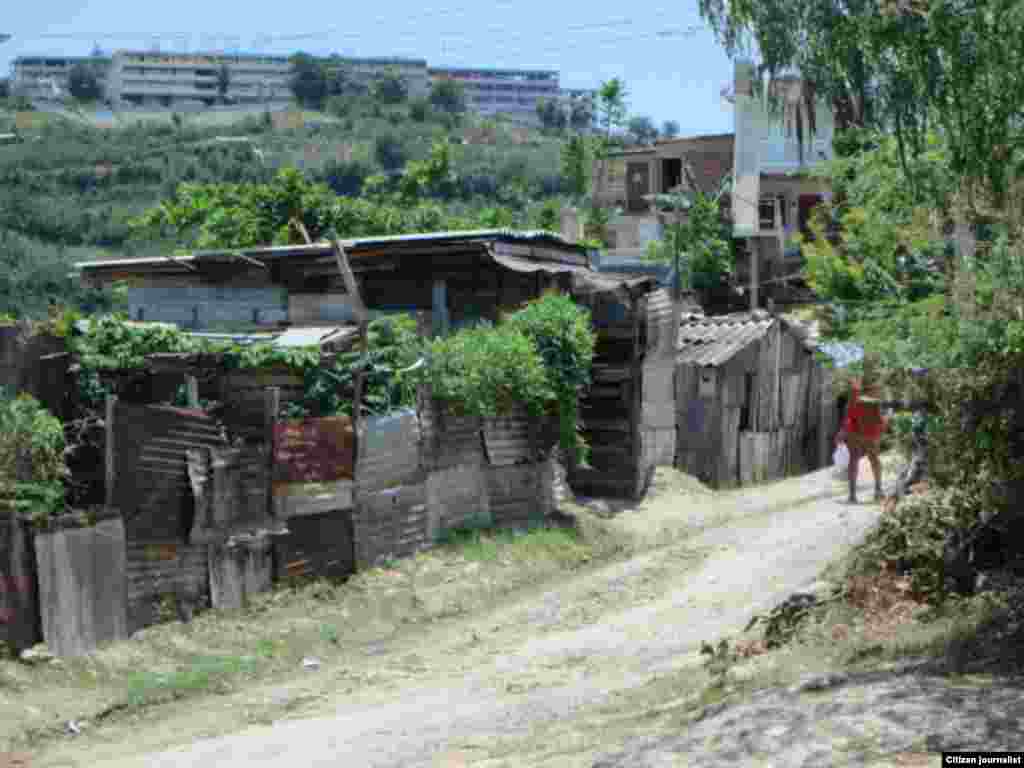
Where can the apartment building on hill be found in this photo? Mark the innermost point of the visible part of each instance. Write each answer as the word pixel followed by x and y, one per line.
pixel 511 92
pixel 168 79
pixel 157 78
pixel 366 70
pixel 45 78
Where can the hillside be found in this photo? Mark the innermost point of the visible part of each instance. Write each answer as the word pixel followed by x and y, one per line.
pixel 72 187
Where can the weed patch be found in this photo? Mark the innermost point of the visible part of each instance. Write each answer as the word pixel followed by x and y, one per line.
pixel 202 674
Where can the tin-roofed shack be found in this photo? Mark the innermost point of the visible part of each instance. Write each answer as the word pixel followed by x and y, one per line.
pixel 450 279
pixel 752 401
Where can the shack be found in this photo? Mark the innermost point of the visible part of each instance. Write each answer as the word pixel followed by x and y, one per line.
pixel 449 280
pixel 752 401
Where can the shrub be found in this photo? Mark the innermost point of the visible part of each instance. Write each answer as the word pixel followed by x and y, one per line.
pixel 561 331
pixel 389 152
pixel 419 110
pixel 32 468
pixel 346 178
pixel 486 371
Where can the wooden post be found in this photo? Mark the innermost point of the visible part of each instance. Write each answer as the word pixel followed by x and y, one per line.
pixel 192 391
pixel 352 287
pixel 108 422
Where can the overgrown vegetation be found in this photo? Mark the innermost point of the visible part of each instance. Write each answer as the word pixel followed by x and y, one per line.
pixel 32 469
pixel 538 358
pixel 920 254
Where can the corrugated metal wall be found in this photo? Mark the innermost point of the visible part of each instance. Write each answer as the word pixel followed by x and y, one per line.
pixel 153 492
pixel 320 545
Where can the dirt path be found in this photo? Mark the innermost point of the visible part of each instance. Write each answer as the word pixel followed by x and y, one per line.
pixel 455 693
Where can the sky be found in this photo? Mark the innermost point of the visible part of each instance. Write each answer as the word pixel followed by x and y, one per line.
pixel 672 70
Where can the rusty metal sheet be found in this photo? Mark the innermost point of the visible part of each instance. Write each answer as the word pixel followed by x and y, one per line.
pixel 152 487
pixel 314 450
pixel 158 570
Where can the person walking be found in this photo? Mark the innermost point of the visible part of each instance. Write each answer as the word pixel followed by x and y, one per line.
pixel 862 432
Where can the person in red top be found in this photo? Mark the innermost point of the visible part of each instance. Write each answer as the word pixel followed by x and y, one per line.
pixel 862 432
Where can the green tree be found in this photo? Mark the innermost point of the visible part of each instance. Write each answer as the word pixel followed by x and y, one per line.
pixel 549 216
pixel 824 39
pixel 551 115
pixel 419 109
pixel 83 82
pixel 431 177
pixel 5 88
pixel 308 81
pixel 612 110
pixel 699 242
pixel 448 96
pixel 642 129
pixel 670 129
pixel 223 83
pixel 576 166
pixel 581 115
pixel 390 153
pixel 390 87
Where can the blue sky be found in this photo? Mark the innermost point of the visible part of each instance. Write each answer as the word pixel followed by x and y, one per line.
pixel 669 76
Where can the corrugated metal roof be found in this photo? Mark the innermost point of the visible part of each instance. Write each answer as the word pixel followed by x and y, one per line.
pixel 714 340
pixel 356 244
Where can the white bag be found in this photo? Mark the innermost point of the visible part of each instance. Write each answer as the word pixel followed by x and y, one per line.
pixel 841 457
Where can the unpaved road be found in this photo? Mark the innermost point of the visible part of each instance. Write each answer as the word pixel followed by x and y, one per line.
pixel 454 694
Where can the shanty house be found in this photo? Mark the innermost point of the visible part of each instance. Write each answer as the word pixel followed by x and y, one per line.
pixel 449 280
pixel 752 400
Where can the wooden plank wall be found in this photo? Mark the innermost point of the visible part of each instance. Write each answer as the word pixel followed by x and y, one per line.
pixel 82 586
pixel 19 592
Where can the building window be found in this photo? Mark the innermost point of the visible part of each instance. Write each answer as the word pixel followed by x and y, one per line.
pixel 766 210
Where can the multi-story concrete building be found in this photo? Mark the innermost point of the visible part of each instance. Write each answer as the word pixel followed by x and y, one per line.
pixel 366 70
pixel 772 197
pixel 46 77
pixel 156 78
pixel 512 92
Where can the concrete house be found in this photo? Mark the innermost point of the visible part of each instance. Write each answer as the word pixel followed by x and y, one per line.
pixel 781 132
pixel 624 180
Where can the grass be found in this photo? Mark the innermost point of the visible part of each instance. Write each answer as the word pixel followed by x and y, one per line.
pixel 217 654
pixel 200 675
pixel 560 545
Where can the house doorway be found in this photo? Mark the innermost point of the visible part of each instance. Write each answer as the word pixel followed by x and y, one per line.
pixel 671 173
pixel 638 184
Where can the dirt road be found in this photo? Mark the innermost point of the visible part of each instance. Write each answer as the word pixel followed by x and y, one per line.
pixel 464 693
